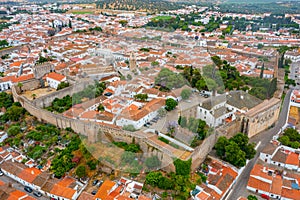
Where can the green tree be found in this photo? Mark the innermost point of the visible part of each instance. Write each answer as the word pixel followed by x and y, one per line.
pixel 260 46
pixel 220 146
pixel 14 113
pixel 170 104
pixel 129 77
pixel 165 183
pixel 183 121
pixel 6 100
pixel 92 164
pixel 250 151
pixel 154 63
pixel 162 112
pixel 262 71
pixel 20 85
pixel 153 178
pixel 134 148
pixel 62 85
pixel 81 171
pixel 141 97
pixel 240 139
pixel 183 167
pixel 127 158
pixel 100 108
pixel 169 80
pixel 70 23
pixel 186 93
pixel 13 130
pixel 217 60
pixel 152 162
pixel 201 85
pixel 129 127
pixel 123 22
pixel 235 155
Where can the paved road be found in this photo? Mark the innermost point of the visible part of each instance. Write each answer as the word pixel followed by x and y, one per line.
pixel 239 188
pixel 19 186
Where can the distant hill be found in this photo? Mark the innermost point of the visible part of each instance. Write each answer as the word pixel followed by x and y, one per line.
pixel 232 1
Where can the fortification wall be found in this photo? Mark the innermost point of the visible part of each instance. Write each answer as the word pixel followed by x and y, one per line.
pixel 40 70
pixel 200 152
pixel 9 50
pixel 47 100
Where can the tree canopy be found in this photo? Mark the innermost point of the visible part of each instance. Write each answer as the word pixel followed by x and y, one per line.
pixel 152 162
pixel 235 150
pixel 290 138
pixel 183 167
pixel 170 104
pixel 186 93
pixel 169 80
pixel 81 171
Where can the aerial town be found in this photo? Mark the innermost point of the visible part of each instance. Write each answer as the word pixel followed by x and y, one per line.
pixel 148 100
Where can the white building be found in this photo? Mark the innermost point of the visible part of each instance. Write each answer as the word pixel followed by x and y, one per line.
pixel 216 110
pixel 138 116
pixel 54 79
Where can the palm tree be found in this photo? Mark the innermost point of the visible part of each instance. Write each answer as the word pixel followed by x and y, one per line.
pixel 33 96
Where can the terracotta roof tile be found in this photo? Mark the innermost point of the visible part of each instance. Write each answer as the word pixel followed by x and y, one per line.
pixel 104 189
pixel 55 76
pixel 29 174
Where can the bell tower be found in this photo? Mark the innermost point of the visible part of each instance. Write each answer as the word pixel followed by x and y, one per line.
pixel 132 62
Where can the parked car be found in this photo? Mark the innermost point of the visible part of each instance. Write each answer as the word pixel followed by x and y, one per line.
pixel 1 173
pixel 94 192
pixel 28 189
pixel 264 196
pixel 37 194
pixel 95 182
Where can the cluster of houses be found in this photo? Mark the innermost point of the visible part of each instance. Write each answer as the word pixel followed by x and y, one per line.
pixel 28 174
pixel 120 107
pixel 124 189
pixel 99 56
pixel 8 192
pixel 276 175
pixel 220 179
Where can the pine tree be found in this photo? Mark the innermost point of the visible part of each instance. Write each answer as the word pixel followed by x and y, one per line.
pixel 262 71
pixel 70 24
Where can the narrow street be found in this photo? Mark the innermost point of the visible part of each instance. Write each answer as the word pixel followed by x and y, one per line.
pixel 239 189
pixel 20 187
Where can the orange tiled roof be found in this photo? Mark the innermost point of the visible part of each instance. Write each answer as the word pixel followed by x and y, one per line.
pixel 66 182
pixel 104 189
pixel 203 195
pixel 56 76
pixel 29 174
pixel 290 193
pixel 276 185
pixel 258 184
pixel 292 159
pixel 17 194
pixel 62 191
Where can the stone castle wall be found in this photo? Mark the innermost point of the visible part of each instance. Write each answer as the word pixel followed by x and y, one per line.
pixel 263 120
pixel 94 132
pixel 9 50
pixel 47 100
pixel 40 70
